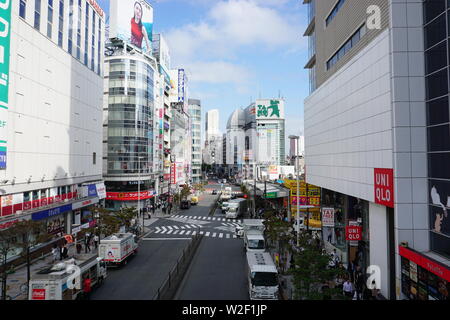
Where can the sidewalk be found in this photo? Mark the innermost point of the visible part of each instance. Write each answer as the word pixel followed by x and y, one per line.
pixel 17 281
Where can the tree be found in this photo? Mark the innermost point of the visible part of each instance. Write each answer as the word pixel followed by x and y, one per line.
pixel 185 192
pixel 29 233
pixel 109 222
pixel 6 247
pixel 311 272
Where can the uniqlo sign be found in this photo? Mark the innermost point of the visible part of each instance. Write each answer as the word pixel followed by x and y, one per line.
pixel 384 187
pixel 353 233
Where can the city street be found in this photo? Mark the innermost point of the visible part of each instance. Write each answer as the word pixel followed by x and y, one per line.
pixel 217 270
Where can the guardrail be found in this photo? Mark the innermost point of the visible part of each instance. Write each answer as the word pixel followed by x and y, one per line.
pixel 170 286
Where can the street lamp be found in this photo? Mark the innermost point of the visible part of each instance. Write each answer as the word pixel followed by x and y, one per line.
pixel 139 193
pixel 292 137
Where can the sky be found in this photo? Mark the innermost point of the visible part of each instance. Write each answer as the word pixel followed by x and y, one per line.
pixel 235 51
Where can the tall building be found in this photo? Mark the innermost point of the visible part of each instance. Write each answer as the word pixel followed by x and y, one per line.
pixel 211 123
pixel 162 115
pixel 377 137
pixel 128 120
pixel 51 112
pixel 195 111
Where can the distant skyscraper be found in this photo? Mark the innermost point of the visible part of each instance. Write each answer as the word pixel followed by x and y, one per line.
pixel 212 123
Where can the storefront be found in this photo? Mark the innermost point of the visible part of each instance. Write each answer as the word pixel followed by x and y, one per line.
pixel 340 214
pixel 422 277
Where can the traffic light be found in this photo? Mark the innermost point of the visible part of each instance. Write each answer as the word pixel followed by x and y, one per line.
pixel 245 196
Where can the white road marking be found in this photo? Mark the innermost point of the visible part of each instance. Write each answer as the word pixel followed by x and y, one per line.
pixel 188 226
pixel 194 233
pixel 176 231
pixel 188 232
pixel 234 237
pixel 209 218
pixel 176 227
pixel 182 232
pixel 221 235
pixel 228 236
pixel 162 239
pixel 202 232
pixel 164 229
pixel 214 235
pixel 170 231
pixel 207 234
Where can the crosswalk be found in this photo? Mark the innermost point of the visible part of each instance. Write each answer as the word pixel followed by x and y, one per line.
pixel 170 230
pixel 206 218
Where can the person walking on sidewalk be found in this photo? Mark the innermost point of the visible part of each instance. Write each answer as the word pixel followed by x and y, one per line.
pixel 65 252
pixel 96 239
pixel 87 246
pixel 348 289
pixel 79 247
pixel 55 253
pixel 87 288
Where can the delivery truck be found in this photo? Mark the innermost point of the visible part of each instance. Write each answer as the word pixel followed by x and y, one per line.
pixel 262 276
pixel 64 280
pixel 236 208
pixel 117 248
pixel 250 224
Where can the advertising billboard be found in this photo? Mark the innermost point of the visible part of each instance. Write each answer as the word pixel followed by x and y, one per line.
pixel 132 21
pixel 5 37
pixel 270 109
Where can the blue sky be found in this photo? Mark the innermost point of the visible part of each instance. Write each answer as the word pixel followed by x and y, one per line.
pixel 235 51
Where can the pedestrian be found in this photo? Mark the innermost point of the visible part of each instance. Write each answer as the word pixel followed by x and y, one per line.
pixel 60 249
pixel 347 289
pixel 55 253
pixel 375 291
pixel 351 270
pixel 96 239
pixel 87 288
pixel 359 282
pixel 79 247
pixel 164 209
pixel 65 252
pixel 86 243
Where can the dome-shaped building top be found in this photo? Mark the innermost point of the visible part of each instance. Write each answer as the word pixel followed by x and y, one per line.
pixel 236 120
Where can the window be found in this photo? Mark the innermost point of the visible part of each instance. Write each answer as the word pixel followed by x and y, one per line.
pixel 438 111
pixel 437 84
pixel 432 9
pixel 23 9
pixel 435 31
pixel 61 23
pixel 93 41
pixel 37 15
pixel 94 158
pixel 79 31
pixel 333 12
pixel 346 47
pixel 436 58
pixel 70 27
pixel 86 36
pixel 99 44
pixel 50 18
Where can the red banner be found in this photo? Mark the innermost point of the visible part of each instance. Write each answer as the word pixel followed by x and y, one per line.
pixel 384 187
pixel 38 294
pixel 425 262
pixel 129 196
pixel 353 233
pixel 173 173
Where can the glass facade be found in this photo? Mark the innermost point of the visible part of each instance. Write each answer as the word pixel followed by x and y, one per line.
pixel 130 117
pixel 436 38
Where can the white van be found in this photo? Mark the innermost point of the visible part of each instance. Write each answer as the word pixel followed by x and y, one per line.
pixel 236 208
pixel 262 276
pixel 254 241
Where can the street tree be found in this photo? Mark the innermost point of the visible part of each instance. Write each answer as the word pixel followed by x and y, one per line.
pixel 185 192
pixel 313 279
pixel 278 233
pixel 7 246
pixel 29 234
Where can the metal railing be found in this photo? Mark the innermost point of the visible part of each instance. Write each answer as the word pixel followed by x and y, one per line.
pixel 170 286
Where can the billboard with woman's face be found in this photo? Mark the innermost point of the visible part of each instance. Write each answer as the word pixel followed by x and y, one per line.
pixel 132 21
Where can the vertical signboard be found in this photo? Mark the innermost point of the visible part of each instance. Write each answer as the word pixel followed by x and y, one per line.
pixel 328 217
pixel 384 187
pixel 5 31
pixel 181 95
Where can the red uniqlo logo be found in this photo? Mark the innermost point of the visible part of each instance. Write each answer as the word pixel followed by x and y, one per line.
pixel 353 233
pixel 384 187
pixel 38 294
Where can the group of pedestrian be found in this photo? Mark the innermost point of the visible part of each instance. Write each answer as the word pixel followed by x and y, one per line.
pixel 60 252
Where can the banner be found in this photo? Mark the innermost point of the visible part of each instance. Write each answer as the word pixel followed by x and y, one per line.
pixel 328 217
pixel 130 196
pixel 132 22
pixel 5 41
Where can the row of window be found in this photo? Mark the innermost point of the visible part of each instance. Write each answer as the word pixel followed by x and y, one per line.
pixel 335 10
pixel 50 8
pixel 347 46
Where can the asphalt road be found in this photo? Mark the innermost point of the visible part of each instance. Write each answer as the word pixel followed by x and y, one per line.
pixel 217 271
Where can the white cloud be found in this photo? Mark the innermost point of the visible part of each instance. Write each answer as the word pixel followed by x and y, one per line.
pixel 228 27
